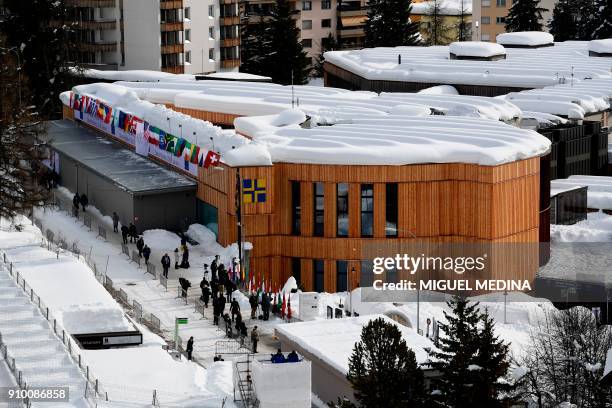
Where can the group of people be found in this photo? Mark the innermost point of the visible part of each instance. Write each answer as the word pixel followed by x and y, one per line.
pixel 79 201
pixel 279 357
pixel 126 232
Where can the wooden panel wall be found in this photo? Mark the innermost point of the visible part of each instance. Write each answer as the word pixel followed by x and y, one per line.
pixel 217 118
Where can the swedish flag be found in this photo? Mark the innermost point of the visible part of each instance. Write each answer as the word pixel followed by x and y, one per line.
pixel 254 191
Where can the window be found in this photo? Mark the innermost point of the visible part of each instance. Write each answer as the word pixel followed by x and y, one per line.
pixel 188 56
pixel 391 210
pixel 319 275
pixel 169 16
pixel 341 275
pixel 486 3
pixel 188 12
pixel 211 11
pixel 326 23
pixel 211 54
pixel 296 208
pixel 307 5
pixel 188 35
pixel 307 43
pixel 319 203
pixel 366 277
pixel 501 3
pixel 296 270
pixel 485 37
pixel 306 24
pixel 170 38
pixel 211 32
pixel 326 4
pixel 500 20
pixel 486 20
pixel 342 211
pixel 367 210
pixel 208 216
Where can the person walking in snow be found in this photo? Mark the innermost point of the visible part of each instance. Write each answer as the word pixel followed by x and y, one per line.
pixel 254 338
pixel 185 260
pixel 253 303
pixel 205 292
pixel 222 304
pixel 234 308
pixel 176 258
pixel 185 285
pixel 76 201
pixel 140 245
pixel 189 348
pixel 265 306
pixel 238 321
pixel 213 267
pixel 146 252
pixel 124 234
pixel 84 201
pixel 165 261
pixel 243 332
pixel 216 312
pixel 116 222
pixel 132 232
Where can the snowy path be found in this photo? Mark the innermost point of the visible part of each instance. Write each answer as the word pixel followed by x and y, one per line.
pixel 40 355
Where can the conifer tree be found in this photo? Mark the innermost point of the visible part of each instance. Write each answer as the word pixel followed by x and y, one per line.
pixel 287 59
pixel 328 43
pixel 389 25
pixel 603 20
pixel 464 25
pixel 577 20
pixel 383 370
pixel 525 15
pixel 255 48
pixel 437 30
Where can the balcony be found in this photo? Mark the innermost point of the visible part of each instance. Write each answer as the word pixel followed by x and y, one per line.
pixel 178 69
pixel 172 48
pixel 170 4
pixel 99 46
pixel 92 3
pixel 230 20
pixel 97 25
pixel 230 63
pixel 175 26
pixel 230 42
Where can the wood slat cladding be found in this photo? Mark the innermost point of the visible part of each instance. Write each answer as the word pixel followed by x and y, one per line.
pixel 439 203
pixel 218 118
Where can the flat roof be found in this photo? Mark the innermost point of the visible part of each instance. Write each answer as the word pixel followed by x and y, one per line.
pixel 111 160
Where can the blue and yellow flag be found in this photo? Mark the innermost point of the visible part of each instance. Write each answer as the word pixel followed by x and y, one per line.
pixel 254 191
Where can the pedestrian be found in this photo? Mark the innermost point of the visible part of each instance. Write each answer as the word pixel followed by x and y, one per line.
pixel 146 252
pixel 189 348
pixel 84 201
pixel 265 306
pixel 185 260
pixel 253 303
pixel 76 201
pixel 214 287
pixel 205 292
pixel 116 222
pixel 205 270
pixel 234 308
pixel 228 325
pixel 124 234
pixel 243 333
pixel 278 357
pixel 254 338
pixel 176 258
pixel 213 267
pixel 238 321
pixel 293 357
pixel 185 285
pixel 222 304
pixel 133 233
pixel 165 261
pixel 216 311
pixel 140 246
pixel 230 288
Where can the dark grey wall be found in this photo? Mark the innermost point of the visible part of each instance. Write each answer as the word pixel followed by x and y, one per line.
pixel 167 211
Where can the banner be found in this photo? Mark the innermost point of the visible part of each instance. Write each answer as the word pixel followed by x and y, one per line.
pixel 142 140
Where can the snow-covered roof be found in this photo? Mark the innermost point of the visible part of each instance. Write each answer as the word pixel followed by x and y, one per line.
pixel 523 67
pixel 525 38
pixel 599 189
pixel 332 340
pixel 601 46
pixel 128 75
pixel 237 76
pixel 476 49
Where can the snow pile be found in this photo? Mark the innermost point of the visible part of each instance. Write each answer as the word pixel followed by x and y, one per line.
pixel 410 110
pixel 236 76
pixel 282 385
pixel 440 90
pixel 128 75
pixel 477 49
pixel 332 340
pixel 525 38
pixel 601 46
pixel 289 117
pixel 290 285
pixel 596 228
pixel 599 195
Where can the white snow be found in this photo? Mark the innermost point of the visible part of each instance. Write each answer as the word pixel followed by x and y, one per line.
pixel 525 38
pixel 596 228
pixel 601 46
pixel 440 90
pixel 608 367
pixel 128 75
pixel 289 117
pixel 236 76
pixel 519 372
pixel 599 195
pixel 476 49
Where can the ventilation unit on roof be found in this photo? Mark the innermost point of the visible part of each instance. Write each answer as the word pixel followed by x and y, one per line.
pixel 476 50
pixel 525 39
pixel 600 48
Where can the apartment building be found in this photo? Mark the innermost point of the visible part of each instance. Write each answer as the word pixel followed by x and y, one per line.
pixel 489 17
pixel 177 36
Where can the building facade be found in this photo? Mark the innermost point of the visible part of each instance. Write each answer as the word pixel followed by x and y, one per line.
pixel 489 17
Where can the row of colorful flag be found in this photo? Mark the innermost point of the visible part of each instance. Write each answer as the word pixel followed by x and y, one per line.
pixel 129 123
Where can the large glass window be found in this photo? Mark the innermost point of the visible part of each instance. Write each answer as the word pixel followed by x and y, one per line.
pixel 208 215
pixel 296 208
pixel 319 202
pixel 342 205
pixel 296 270
pixel 319 275
pixel 391 210
pixel 366 277
pixel 341 275
pixel 367 210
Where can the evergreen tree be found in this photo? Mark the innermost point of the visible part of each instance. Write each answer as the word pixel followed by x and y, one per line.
pixel 563 25
pixel 603 20
pixel 43 33
pixel 464 25
pixel 328 43
pixel 576 20
pixel 437 30
pixel 256 48
pixel 525 15
pixel 287 59
pixel 383 370
pixel 457 350
pixel 389 25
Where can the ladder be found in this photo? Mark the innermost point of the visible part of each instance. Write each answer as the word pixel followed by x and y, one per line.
pixel 243 381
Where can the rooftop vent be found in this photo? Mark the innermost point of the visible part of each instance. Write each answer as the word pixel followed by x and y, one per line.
pixel 600 48
pixel 526 39
pixel 476 50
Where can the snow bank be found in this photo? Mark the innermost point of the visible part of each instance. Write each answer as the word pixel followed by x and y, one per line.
pixel 282 385
pixel 596 228
pixel 440 90
pixel 476 49
pixel 127 75
pixel 601 46
pixel 289 117
pixel 525 38
pixel 237 76
pixel 599 195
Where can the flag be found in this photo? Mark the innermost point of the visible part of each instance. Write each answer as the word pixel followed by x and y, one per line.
pixel 181 145
pixel 289 307
pixel 133 124
pixel 212 159
pixel 194 154
pixel 170 143
pixel 283 306
pixel 253 191
pixel 279 304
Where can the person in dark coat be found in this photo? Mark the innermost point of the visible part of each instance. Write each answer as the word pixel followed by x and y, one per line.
pixel 213 267
pixel 214 287
pixel 230 288
pixel 277 358
pixel 254 338
pixel 140 246
pixel 253 303
pixel 234 308
pixel 221 304
pixel 84 201
pixel 238 321
pixel 189 348
pixel 133 233
pixel 116 222
pixel 185 260
pixel 265 306
pixel 216 312
pixel 176 258
pixel 228 325
pixel 243 333
pixel 185 285
pixel 124 233
pixel 293 357
pixel 205 292
pixel 76 201
pixel 146 253
pixel 165 261
pixel 223 276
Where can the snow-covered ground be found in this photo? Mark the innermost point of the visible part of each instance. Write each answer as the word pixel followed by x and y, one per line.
pixel 596 228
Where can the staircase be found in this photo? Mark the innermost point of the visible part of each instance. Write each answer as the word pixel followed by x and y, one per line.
pixel 39 355
pixel 243 381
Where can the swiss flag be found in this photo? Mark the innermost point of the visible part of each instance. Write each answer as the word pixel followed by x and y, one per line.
pixel 212 159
